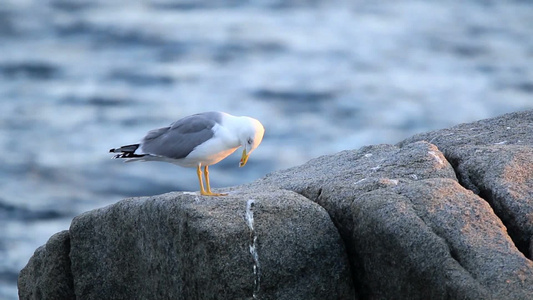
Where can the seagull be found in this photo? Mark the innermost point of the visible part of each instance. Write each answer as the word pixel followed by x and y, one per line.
pixel 198 141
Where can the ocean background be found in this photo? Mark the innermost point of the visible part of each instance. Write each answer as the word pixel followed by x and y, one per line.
pixel 80 77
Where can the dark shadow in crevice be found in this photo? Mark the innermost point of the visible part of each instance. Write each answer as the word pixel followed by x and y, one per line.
pixel 355 261
pixel 521 242
pixel 455 256
pixel 517 236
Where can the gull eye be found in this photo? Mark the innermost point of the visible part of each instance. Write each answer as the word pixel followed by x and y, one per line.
pixel 250 141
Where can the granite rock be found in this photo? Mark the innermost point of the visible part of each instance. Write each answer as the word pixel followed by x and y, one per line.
pixel 267 245
pixel 493 158
pixel 47 274
pixel 442 215
pixel 411 230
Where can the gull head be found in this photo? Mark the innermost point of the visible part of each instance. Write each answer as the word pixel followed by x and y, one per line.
pixel 251 135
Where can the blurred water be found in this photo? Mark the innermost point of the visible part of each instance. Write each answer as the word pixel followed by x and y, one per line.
pixel 79 77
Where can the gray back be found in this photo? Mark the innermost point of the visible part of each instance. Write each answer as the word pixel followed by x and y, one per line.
pixel 181 137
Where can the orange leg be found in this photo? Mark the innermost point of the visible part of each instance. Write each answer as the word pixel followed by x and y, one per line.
pixel 207 191
pixel 199 173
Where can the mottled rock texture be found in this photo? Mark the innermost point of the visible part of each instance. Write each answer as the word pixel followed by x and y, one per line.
pixel 493 158
pixel 48 275
pixel 442 215
pixel 268 244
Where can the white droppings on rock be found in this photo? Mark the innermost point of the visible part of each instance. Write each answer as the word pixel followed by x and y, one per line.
pixel 361 180
pixel 249 215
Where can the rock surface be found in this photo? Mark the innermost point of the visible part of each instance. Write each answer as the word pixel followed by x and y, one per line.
pixel 269 245
pixel 494 159
pixel 48 275
pixel 402 221
pixel 412 232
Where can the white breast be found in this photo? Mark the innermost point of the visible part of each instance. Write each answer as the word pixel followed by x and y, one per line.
pixel 222 144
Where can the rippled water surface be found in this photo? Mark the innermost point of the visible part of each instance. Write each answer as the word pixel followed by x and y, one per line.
pixel 80 77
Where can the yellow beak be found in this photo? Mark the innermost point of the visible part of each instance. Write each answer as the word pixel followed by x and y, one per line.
pixel 244 158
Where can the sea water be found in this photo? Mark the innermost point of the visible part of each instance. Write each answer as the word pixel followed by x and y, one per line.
pixel 80 77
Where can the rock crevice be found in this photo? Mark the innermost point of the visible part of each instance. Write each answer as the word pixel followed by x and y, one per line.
pixel 495 164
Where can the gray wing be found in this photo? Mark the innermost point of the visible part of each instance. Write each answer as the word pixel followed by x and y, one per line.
pixel 181 137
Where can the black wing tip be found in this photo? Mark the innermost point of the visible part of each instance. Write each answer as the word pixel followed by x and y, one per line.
pixel 128 155
pixel 125 149
pixel 122 155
